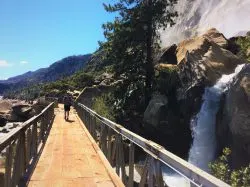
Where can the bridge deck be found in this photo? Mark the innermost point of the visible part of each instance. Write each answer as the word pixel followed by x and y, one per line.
pixel 72 158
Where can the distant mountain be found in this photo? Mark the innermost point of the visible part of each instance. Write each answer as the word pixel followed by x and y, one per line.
pixel 3 87
pixel 62 68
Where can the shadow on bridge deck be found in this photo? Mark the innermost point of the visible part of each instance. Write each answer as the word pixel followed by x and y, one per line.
pixel 71 157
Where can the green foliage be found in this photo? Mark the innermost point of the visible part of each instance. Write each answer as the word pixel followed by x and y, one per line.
pixel 103 106
pixel 81 80
pixel 75 82
pixel 244 44
pixel 221 169
pixel 166 79
pixel 132 37
pixel 26 93
pixel 129 98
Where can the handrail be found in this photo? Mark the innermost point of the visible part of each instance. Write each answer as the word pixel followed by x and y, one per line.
pixel 6 139
pixel 155 153
pixel 23 144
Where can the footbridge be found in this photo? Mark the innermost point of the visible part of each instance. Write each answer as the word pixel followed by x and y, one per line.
pixel 88 150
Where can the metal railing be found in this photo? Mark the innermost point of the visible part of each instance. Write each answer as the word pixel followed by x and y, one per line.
pixel 112 138
pixel 20 148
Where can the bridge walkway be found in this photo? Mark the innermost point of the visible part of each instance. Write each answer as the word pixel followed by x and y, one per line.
pixel 72 158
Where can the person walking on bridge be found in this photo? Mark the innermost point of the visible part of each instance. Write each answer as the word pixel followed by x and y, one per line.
pixel 67 101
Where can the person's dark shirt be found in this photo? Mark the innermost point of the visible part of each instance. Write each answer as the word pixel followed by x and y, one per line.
pixel 67 100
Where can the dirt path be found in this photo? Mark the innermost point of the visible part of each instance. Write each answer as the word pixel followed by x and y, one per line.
pixel 72 158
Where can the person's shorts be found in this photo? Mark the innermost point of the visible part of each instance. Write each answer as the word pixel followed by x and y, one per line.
pixel 67 107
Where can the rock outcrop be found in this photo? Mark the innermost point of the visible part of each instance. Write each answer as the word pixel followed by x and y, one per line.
pixel 156 110
pixel 22 110
pixel 207 57
pixel 201 61
pixel 233 126
pixel 105 83
pixel 17 111
pixel 3 121
pixel 215 36
pixel 168 55
pixel 88 94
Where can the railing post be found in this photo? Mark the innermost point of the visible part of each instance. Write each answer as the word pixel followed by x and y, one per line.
pixel 29 144
pixel 34 139
pixel 94 128
pixel 109 145
pixel 120 164
pixel 23 163
pixel 151 172
pixel 8 166
pixel 83 116
pixel 16 168
pixel 144 173
pixel 46 121
pixel 88 121
pixel 131 164
pixel 91 125
pixel 103 139
pixel 158 174
pixel 42 129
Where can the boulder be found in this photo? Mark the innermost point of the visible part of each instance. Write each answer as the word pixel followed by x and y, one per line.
pixel 168 55
pixel 215 36
pixel 88 94
pixel 5 111
pixel 234 123
pixel 107 84
pixel 3 121
pixel 155 110
pixel 104 79
pixel 22 110
pixel 207 59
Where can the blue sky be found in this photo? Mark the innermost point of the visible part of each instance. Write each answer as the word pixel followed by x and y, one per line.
pixel 35 33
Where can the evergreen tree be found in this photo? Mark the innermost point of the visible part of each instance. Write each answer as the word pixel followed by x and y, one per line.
pixel 132 38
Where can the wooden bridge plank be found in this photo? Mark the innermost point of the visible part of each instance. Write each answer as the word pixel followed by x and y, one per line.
pixel 71 158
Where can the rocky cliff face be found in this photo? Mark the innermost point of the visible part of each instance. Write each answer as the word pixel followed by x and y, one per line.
pixel 200 62
pixel 233 121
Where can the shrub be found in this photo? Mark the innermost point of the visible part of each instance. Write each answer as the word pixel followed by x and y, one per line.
pixel 103 106
pixel 166 78
pixel 221 169
pixel 244 44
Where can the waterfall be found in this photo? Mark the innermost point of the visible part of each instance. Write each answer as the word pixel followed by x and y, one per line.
pixel 203 130
pixel 196 16
pixel 203 124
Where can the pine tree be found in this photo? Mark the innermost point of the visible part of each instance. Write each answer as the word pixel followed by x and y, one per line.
pixel 132 38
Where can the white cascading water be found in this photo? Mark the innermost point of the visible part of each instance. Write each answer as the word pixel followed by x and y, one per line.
pixel 203 124
pixel 196 16
pixel 203 149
